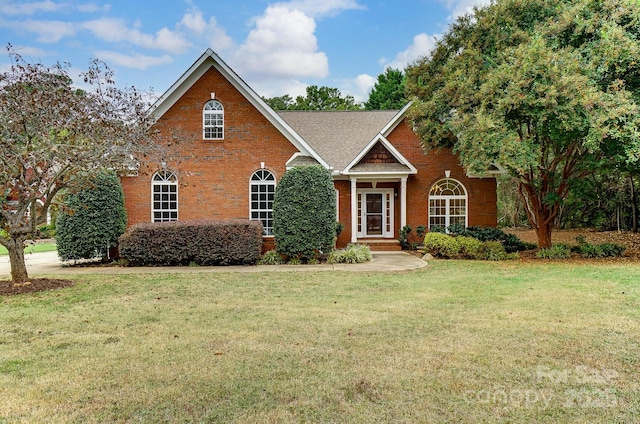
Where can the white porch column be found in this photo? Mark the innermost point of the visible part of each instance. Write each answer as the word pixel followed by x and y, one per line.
pixel 403 202
pixel 354 210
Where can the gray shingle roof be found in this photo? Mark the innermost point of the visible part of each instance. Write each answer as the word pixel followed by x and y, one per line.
pixel 338 136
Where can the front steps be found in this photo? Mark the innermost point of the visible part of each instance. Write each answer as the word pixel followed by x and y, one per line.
pixel 381 245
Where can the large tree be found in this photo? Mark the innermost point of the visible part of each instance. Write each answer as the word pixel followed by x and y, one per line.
pixel 316 98
pixel 548 89
pixel 50 131
pixel 388 92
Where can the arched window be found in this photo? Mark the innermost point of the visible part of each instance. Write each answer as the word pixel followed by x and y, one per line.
pixel 164 192
pixel 213 120
pixel 262 190
pixel 447 204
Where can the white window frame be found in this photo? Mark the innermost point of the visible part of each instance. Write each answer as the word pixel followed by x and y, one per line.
pixel 448 192
pixel 259 180
pixel 213 120
pixel 164 183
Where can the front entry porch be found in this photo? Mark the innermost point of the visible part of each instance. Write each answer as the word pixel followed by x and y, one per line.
pixel 373 210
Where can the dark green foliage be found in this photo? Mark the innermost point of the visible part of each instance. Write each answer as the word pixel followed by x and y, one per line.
pixel 388 92
pixel 230 242
pixel 304 213
pixel 317 98
pixel 339 228
pixel 603 250
pixel 547 89
pixel 92 217
pixel 404 237
pixel 510 242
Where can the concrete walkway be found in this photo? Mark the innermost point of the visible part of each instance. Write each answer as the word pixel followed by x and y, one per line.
pixel 47 263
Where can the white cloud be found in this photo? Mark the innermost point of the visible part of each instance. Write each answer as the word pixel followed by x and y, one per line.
pixel 116 30
pixel 461 7
pixel 359 87
pixel 135 61
pixel 274 87
pixel 47 31
pixel 215 36
pixel 20 8
pixel 93 8
pixel 320 8
pixel 282 44
pixel 422 45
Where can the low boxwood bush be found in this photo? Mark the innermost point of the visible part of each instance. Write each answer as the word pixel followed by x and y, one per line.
pixel 228 242
pixel 352 254
pixel 463 247
pixel 441 245
pixel 471 248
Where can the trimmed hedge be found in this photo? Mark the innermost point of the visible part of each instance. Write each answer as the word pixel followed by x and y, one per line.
pixel 92 217
pixel 228 242
pixel 463 247
pixel 304 213
pixel 510 242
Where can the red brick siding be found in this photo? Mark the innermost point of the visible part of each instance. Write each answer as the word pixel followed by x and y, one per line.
pixel 482 207
pixel 213 175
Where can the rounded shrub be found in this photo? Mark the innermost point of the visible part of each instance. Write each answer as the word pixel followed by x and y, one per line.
pixel 92 217
pixel 441 245
pixel 304 213
pixel 471 248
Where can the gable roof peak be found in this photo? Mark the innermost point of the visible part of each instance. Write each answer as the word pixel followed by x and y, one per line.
pixel 209 59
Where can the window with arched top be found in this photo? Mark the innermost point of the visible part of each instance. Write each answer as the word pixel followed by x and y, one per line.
pixel 447 204
pixel 262 189
pixel 213 120
pixel 164 196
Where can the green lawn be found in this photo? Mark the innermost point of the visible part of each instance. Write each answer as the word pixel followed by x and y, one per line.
pixel 454 342
pixel 33 248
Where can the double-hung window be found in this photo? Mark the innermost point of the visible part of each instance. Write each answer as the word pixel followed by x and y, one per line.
pixel 213 120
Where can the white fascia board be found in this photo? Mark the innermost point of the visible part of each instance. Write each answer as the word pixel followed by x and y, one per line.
pixel 395 120
pixel 210 58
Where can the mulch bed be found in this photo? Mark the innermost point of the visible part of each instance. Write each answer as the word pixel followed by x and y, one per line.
pixel 32 286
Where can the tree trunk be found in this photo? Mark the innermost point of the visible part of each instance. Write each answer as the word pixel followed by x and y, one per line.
pixel 16 256
pixel 634 206
pixel 543 231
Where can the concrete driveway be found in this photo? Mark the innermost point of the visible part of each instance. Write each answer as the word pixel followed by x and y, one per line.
pixel 48 263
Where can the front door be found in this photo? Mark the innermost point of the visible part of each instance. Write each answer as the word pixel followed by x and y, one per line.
pixel 375 213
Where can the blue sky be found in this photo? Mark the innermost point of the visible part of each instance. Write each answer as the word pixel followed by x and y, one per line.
pixel 278 47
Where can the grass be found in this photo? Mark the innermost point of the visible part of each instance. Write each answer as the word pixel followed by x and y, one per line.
pixel 33 248
pixel 454 342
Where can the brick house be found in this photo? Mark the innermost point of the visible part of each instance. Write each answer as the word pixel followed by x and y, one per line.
pixel 227 150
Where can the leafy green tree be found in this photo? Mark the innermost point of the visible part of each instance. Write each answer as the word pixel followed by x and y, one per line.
pixel 304 212
pixel 316 98
pixel 279 103
pixel 325 98
pixel 93 216
pixel 388 92
pixel 548 89
pixel 50 131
